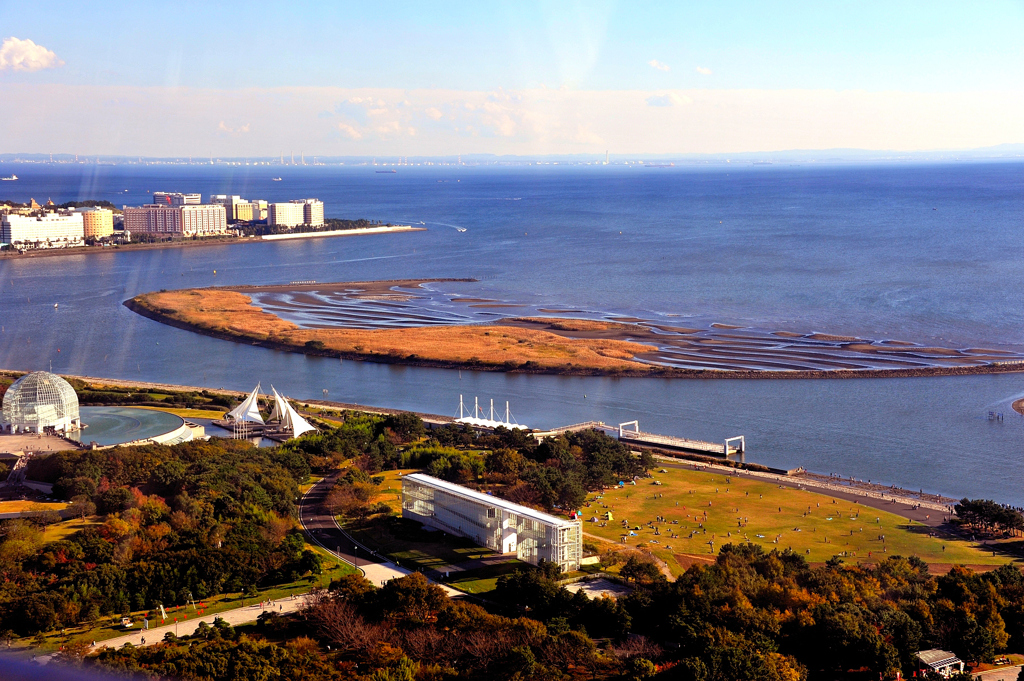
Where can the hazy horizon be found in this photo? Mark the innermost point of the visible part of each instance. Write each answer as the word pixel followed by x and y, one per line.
pixel 523 80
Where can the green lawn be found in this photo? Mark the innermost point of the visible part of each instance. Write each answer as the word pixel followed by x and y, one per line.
pixel 484 579
pixel 814 525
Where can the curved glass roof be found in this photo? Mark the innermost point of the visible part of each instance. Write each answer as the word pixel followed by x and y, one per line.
pixel 40 399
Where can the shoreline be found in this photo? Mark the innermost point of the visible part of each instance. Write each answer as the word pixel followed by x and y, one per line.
pixel 205 242
pixel 641 370
pixel 882 495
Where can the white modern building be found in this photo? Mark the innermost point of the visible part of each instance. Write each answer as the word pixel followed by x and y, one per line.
pixel 290 214
pixel 940 662
pixel 312 212
pixel 176 221
pixel 177 199
pixel 40 401
pixel 492 522
pixel 46 230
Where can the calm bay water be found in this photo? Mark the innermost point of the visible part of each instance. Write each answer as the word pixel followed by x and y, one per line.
pixel 930 254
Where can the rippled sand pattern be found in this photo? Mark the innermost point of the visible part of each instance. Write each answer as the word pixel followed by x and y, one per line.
pixel 718 346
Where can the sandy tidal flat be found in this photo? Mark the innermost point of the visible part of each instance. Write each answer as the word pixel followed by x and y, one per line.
pixel 411 321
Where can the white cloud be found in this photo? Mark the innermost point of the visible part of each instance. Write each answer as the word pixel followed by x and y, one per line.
pixel 351 132
pixel 703 70
pixel 434 113
pixel 25 55
pixel 654 63
pixel 670 99
pixel 224 128
pixel 159 121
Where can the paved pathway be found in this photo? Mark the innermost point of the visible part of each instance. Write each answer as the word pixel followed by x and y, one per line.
pixel 187 627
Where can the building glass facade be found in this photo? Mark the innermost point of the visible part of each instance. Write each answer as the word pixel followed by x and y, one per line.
pixel 492 522
pixel 39 401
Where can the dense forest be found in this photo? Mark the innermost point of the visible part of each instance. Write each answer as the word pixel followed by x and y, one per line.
pixel 200 518
pixel 750 616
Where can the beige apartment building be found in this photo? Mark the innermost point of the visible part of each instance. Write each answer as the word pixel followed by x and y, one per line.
pixel 97 222
pixel 184 220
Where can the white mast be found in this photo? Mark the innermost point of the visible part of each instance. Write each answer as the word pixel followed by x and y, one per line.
pixel 492 408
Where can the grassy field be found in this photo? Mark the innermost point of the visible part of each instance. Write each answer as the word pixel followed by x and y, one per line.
pixel 110 627
pixel 232 313
pixel 741 510
pixel 22 505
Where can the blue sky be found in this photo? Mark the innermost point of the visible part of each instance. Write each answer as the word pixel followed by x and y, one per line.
pixel 962 57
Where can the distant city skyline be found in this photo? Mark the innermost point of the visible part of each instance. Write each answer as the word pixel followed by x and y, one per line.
pixel 508 78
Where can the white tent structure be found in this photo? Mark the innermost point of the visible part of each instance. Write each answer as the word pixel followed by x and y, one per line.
pixel 286 415
pixel 478 417
pixel 249 409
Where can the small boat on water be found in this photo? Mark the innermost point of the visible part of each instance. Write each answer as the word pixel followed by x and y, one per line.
pixel 276 179
pixel 9 179
pixel 386 171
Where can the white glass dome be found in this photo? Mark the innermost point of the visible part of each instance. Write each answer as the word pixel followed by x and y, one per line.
pixel 38 401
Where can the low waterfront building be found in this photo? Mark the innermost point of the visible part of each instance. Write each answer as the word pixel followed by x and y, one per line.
pixel 290 214
pixel 492 522
pixel 38 402
pixel 940 662
pixel 97 222
pixel 43 230
pixel 177 199
pixel 176 221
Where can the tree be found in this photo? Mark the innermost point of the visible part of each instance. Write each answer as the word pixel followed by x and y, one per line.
pixel 81 507
pixel 640 571
pixel 641 668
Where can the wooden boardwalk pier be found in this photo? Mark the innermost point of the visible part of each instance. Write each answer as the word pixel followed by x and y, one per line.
pixel 730 447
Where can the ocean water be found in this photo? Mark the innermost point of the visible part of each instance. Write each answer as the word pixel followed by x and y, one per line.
pixel 928 254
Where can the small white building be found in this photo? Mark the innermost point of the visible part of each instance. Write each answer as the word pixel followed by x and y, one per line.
pixel 940 661
pixel 492 522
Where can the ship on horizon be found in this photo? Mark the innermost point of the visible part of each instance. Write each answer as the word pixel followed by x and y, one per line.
pixel 9 179
pixel 386 171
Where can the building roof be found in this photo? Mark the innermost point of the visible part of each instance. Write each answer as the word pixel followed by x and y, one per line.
pixel 40 399
pixel 937 658
pixel 473 495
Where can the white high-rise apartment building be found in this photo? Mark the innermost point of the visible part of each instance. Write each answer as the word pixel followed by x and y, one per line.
pixel 312 211
pixel 49 230
pixel 289 214
pixel 176 221
pixel 176 199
